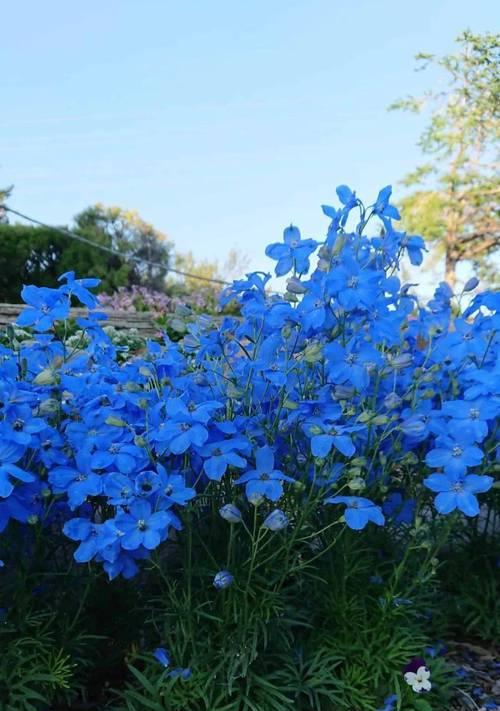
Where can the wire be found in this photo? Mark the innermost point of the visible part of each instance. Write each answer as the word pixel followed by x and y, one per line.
pixel 110 250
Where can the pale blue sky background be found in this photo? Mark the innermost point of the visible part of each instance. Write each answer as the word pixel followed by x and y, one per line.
pixel 220 121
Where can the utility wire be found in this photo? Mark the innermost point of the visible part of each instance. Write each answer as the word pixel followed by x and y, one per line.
pixel 110 250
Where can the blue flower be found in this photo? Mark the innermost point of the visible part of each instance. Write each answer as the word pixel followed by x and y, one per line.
pixel 119 489
pixel 348 199
pixel 92 537
pixel 181 673
pixel 44 307
pixel 10 452
pixel 162 656
pixel 456 491
pixel 172 488
pixel 359 511
pixel 230 513
pixel 223 579
pixel 140 526
pixel 382 208
pixel 80 288
pixel 415 246
pixel 186 426
pixel 326 435
pixel 353 363
pixel 472 416
pixel 389 703
pixel 78 481
pixel 293 253
pixel 220 455
pixel 275 521
pixel 454 456
pixel 398 509
pixel 264 480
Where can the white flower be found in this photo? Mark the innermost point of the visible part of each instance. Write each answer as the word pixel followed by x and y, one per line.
pixel 419 681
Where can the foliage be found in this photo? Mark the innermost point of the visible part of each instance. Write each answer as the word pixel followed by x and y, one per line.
pixel 4 195
pixel 38 255
pixel 270 494
pixel 138 241
pixel 457 207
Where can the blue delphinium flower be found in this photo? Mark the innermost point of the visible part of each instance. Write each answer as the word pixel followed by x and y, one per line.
pixel 186 426
pixel 79 481
pixel 162 656
pixel 457 491
pixel 325 436
pixel 223 579
pixel 230 513
pixel 292 253
pixel 275 521
pixel 264 480
pixel 455 456
pixel 382 208
pixel 359 511
pixel 221 454
pixel 92 537
pixel 79 288
pixel 141 526
pixel 45 306
pixel 472 416
pixel 9 472
pixel 398 509
pixel 172 488
pixel 349 201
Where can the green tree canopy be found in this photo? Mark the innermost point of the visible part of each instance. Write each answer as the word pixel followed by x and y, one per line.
pixel 455 197
pixel 38 255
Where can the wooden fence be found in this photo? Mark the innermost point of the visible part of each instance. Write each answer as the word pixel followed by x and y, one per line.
pixel 143 321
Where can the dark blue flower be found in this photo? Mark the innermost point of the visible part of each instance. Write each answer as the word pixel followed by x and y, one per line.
pixel 223 579
pixel 78 481
pixel 162 656
pixel 359 511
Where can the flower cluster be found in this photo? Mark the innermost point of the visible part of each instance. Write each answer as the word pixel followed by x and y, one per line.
pixel 141 298
pixel 345 385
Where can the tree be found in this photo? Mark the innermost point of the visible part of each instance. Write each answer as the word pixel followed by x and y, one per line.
pixel 142 246
pixel 4 195
pixel 233 267
pixel 454 203
pixel 39 255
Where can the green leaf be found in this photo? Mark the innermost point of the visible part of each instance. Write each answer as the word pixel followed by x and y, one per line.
pixel 143 680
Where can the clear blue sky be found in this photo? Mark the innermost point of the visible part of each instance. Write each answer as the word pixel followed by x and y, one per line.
pixel 219 121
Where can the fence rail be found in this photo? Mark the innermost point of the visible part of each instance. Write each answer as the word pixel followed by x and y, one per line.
pixel 143 321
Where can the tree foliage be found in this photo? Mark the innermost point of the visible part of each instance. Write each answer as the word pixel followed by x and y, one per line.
pixel 126 232
pixel 4 194
pixel 454 202
pixel 38 255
